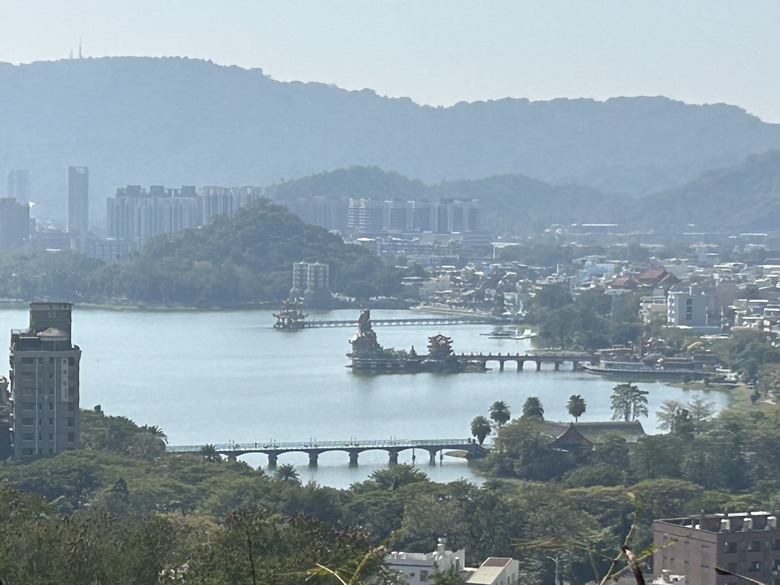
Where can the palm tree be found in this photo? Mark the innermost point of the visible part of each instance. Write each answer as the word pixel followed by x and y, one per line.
pixel 499 413
pixel 210 454
pixel 576 406
pixel 668 413
pixel 532 407
pixel 480 428
pixel 628 402
pixel 156 432
pixel 286 472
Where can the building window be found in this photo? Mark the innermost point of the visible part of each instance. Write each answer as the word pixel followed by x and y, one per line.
pixel 776 544
pixel 71 437
pixel 423 575
pixel 71 422
pixel 27 436
pixel 754 567
pixel 27 422
pixel 754 545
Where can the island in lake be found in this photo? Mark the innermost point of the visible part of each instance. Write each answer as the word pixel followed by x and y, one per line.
pixel 368 356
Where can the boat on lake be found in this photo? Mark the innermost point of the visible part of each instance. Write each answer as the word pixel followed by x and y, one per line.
pixel 635 370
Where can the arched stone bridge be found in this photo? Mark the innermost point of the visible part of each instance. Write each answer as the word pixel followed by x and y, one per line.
pixel 520 359
pixel 314 448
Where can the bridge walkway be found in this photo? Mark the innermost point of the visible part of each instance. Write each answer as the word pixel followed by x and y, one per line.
pixel 393 447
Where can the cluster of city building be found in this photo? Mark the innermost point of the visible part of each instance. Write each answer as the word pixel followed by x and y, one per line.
pixel 135 214
pixel 707 298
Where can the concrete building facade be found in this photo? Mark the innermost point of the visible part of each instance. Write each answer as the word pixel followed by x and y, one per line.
pixel 19 185
pixel 686 308
pixel 496 571
pixel 44 383
pixel 14 224
pixel 743 543
pixel 421 568
pixel 78 200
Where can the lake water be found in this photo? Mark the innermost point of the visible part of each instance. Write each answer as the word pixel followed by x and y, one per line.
pixel 220 376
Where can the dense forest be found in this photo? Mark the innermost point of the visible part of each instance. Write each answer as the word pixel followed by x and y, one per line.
pixel 238 261
pixel 122 510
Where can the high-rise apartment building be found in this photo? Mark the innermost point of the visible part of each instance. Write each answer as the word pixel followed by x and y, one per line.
pixel 78 200
pixel 311 283
pixel 14 223
pixel 45 383
pixel 19 185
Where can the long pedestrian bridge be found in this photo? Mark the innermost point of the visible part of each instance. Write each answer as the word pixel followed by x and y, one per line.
pixel 353 448
pixel 408 321
pixel 557 358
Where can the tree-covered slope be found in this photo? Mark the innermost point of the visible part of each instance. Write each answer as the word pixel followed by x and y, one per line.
pixel 236 261
pixel 743 197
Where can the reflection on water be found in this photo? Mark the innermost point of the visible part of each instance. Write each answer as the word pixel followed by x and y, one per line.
pixel 215 377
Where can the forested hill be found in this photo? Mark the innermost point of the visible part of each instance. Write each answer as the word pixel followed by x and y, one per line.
pixel 233 262
pixel 177 121
pixel 509 203
pixel 742 197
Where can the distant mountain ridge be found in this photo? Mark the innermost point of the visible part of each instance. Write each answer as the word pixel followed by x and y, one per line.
pixel 176 121
pixel 743 197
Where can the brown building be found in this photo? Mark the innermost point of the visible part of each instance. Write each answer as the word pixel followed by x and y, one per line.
pixel 45 383
pixel 746 543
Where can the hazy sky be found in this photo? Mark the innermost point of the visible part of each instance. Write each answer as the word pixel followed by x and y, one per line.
pixel 438 51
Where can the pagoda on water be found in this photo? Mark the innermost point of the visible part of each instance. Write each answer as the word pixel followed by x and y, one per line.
pixel 290 317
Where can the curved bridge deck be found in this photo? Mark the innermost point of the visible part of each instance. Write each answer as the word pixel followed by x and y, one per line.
pixel 314 448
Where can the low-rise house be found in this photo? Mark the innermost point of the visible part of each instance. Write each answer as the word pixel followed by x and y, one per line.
pixel 496 571
pixel 420 568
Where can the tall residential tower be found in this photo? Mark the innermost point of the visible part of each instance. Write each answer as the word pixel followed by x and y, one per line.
pixel 45 383
pixel 78 200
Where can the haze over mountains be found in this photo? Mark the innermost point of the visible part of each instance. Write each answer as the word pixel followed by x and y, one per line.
pixel 177 121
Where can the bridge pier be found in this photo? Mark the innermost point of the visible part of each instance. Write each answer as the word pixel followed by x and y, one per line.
pixel 393 454
pixel 575 365
pixel 313 456
pixel 501 365
pixel 272 461
pixel 557 366
pixel 432 461
pixel 538 365
pixel 520 364
pixel 353 458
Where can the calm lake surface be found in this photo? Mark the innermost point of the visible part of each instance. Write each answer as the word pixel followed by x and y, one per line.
pixel 220 376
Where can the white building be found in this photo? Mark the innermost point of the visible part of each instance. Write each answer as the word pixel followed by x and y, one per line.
pixel 420 568
pixel 496 571
pixel 687 308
